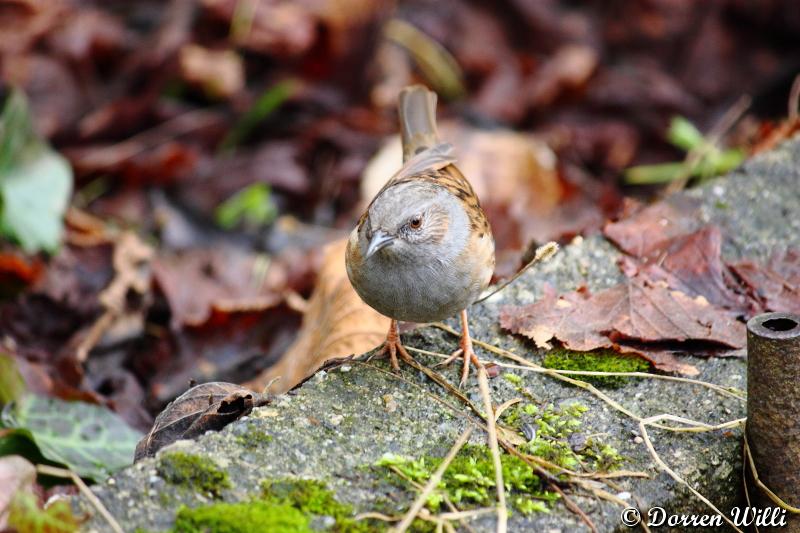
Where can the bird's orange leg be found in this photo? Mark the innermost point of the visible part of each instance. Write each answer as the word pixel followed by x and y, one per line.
pixel 465 351
pixel 393 346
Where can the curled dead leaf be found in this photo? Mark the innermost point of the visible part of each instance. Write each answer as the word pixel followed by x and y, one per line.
pixel 336 324
pixel 204 407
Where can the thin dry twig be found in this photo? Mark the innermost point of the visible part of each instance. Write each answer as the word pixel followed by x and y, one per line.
pixel 760 484
pixel 434 480
pixel 85 490
pixel 643 423
pixel 689 426
pixel 543 253
pixel 502 510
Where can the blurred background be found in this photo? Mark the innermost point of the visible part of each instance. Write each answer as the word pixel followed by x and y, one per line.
pixel 172 172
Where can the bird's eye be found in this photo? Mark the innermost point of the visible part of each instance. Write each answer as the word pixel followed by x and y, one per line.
pixel 415 222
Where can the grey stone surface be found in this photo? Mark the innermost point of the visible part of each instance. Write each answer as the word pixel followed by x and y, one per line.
pixel 337 424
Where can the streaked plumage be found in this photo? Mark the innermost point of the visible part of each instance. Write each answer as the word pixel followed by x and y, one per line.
pixel 423 250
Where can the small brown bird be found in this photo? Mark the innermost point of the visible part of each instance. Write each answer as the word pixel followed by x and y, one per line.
pixel 423 250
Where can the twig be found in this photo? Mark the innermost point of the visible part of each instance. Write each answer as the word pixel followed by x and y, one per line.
pixel 794 100
pixel 572 506
pixel 543 253
pixel 772 496
pixel 731 392
pixel 432 482
pixel 502 510
pixel 643 423
pixel 86 491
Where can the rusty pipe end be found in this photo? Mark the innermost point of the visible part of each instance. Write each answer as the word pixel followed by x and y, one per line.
pixel 776 326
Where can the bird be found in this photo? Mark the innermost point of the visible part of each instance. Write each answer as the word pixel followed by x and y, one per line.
pixel 423 249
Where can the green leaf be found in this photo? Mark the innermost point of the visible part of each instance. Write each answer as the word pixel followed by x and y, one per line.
pixel 35 181
pixel 24 514
pixel 91 440
pixel 267 103
pixel 253 205
pixel 12 386
pixel 652 174
pixel 684 134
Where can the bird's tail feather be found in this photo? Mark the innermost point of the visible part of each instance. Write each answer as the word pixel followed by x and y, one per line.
pixel 417 110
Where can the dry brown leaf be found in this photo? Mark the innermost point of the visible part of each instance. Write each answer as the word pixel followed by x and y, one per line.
pixel 775 286
pixel 229 280
pixel 336 324
pixel 692 263
pixel 634 317
pixel 132 258
pixel 645 233
pixel 17 475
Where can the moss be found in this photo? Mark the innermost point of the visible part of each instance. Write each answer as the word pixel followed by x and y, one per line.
pixel 247 517
pixel 285 506
pixel 194 471
pixel 470 481
pixel 313 498
pixel 553 434
pixel 596 361
pixel 512 378
pixel 253 438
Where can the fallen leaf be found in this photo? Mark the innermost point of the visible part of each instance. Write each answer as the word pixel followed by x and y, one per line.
pixel 692 263
pixel 26 514
pixel 631 312
pixel 17 269
pixel 219 73
pixel 276 28
pixel 646 233
pixel 336 324
pixel 200 281
pixel 131 283
pixel 17 475
pixel 774 286
pixel 204 407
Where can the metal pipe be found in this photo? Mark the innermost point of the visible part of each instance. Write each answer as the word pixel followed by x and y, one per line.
pixel 773 406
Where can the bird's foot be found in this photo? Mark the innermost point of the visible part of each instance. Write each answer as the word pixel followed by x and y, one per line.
pixel 393 347
pixel 466 353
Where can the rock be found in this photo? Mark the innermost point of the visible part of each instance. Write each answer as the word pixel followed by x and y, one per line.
pixel 340 423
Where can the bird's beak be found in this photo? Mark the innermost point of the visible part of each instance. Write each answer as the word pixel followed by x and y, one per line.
pixel 378 241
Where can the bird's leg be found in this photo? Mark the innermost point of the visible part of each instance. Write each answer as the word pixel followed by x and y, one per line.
pixel 465 351
pixel 393 346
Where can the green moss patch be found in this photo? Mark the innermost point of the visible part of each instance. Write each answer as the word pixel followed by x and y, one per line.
pixel 249 517
pixel 554 434
pixel 285 506
pixel 596 361
pixel 312 497
pixel 193 471
pixel 470 479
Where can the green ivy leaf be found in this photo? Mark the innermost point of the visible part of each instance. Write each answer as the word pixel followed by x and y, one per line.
pixel 91 440
pixel 35 181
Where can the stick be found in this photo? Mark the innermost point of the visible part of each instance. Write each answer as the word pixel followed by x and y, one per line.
pixel 502 510
pixel 86 491
pixel 432 482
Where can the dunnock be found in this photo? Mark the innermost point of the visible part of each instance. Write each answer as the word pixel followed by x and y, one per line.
pixel 423 250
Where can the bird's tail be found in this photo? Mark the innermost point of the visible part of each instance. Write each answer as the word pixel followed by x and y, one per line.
pixel 417 110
